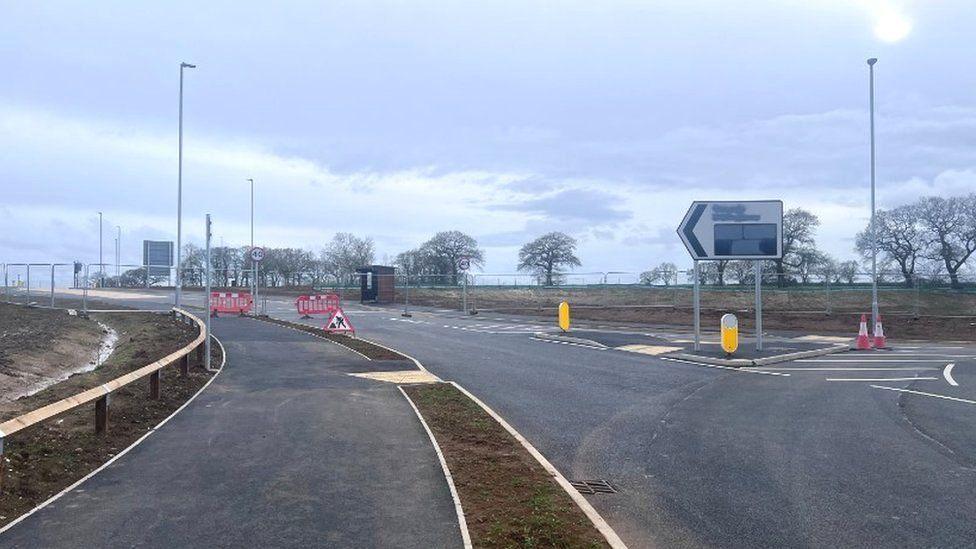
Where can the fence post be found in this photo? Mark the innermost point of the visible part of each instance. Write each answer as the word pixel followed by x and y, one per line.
pixel 915 283
pixel 185 365
pixel 827 294
pixel 101 415
pixel 52 285
pixel 28 285
pixel 154 385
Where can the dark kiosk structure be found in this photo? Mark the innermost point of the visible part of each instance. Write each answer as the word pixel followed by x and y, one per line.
pixel 376 284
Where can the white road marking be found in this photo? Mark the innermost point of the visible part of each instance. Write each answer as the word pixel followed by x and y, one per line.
pixel 946 397
pixel 839 369
pixel 862 361
pixel 947 374
pixel 747 369
pixel 570 343
pixel 882 379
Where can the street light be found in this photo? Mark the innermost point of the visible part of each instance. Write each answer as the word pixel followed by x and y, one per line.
pixel 118 251
pixel 101 281
pixel 253 269
pixel 874 239
pixel 179 194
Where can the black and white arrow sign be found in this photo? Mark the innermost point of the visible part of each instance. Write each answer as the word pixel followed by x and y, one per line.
pixel 733 230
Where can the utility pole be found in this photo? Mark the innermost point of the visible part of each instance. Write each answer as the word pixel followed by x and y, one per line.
pixel 254 271
pixel 206 347
pixel 101 281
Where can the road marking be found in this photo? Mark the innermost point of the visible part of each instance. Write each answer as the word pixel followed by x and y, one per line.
pixel 947 374
pixel 851 369
pixel 745 369
pixel 882 379
pixel 946 397
pixel 862 361
pixel 570 343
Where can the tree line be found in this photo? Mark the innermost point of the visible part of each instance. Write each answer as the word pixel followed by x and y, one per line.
pixel 932 237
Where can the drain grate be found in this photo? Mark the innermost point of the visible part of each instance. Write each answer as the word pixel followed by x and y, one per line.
pixel 590 487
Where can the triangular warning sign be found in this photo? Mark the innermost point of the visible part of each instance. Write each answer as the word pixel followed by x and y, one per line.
pixel 338 322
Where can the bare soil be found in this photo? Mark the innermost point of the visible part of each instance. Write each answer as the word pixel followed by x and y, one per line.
pixel 372 351
pixel 42 460
pixel 38 346
pixel 509 500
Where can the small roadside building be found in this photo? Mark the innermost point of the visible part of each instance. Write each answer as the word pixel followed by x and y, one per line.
pixel 377 284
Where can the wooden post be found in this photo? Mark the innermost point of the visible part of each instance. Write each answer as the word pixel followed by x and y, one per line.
pixel 101 415
pixel 154 385
pixel 185 365
pixel 3 464
pixel 200 349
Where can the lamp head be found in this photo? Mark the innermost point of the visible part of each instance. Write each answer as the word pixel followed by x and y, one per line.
pixel 188 65
pixel 872 61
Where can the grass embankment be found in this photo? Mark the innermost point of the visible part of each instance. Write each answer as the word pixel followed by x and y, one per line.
pixel 44 459
pixel 509 500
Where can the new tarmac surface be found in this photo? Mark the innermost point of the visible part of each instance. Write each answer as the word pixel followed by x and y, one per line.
pixel 846 450
pixel 284 449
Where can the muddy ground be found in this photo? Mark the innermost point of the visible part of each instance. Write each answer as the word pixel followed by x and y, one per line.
pixel 40 461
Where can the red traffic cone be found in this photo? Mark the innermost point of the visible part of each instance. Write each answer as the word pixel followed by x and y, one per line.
pixel 863 342
pixel 880 342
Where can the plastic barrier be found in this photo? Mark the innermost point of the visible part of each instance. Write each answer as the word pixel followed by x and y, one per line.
pixel 228 302
pixel 321 304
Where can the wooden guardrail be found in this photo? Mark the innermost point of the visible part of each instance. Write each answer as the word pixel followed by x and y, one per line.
pixel 102 393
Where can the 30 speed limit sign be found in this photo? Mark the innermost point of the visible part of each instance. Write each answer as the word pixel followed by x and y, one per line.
pixel 464 264
pixel 257 254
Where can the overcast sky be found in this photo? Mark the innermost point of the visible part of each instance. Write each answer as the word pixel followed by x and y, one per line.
pixel 501 119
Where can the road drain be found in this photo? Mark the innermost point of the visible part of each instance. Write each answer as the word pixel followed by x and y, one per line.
pixel 590 487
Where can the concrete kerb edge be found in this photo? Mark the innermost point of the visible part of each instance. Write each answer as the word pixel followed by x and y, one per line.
pixel 462 522
pixel 125 451
pixel 288 327
pixel 766 361
pixel 598 522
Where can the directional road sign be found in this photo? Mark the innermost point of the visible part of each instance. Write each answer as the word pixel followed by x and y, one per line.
pixel 733 230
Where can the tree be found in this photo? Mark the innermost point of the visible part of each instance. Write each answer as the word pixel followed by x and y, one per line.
pixel 799 226
pixel 847 272
pixel 949 228
pixel 665 273
pixel 446 248
pixel 899 237
pixel 547 255
pixel 346 253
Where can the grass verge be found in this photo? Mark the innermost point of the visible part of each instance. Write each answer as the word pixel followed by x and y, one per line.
pixel 42 460
pixel 509 500
pixel 372 351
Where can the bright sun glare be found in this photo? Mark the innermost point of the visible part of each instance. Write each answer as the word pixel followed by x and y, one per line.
pixel 892 26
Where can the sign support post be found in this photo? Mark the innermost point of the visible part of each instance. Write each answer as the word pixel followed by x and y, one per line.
pixel 697 298
pixel 759 328
pixel 206 360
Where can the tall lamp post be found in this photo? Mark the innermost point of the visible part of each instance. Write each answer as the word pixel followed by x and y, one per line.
pixel 254 281
pixel 100 264
pixel 874 239
pixel 179 194
pixel 118 253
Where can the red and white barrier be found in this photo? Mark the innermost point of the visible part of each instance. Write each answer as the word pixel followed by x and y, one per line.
pixel 323 304
pixel 880 341
pixel 230 302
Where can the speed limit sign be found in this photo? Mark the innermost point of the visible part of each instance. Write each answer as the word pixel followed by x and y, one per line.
pixel 464 264
pixel 257 254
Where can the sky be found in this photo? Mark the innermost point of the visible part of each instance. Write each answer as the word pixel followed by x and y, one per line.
pixel 505 120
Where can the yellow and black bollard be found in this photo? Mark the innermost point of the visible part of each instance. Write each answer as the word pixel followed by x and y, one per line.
pixel 730 333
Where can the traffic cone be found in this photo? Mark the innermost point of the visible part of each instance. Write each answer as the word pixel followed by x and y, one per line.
pixel 880 342
pixel 863 342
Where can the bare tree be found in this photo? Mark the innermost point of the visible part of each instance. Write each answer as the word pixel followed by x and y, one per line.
pixel 547 255
pixel 799 226
pixel 899 237
pixel 445 249
pixel 949 228
pixel 346 253
pixel 665 273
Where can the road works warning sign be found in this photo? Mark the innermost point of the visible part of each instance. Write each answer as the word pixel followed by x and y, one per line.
pixel 339 323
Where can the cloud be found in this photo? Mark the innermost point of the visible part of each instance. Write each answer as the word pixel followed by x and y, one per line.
pixel 574 204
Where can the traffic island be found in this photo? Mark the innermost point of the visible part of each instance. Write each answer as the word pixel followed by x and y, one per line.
pixel 361 346
pixel 775 349
pixel 508 498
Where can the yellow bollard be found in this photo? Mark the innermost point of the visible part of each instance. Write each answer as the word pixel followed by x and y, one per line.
pixel 564 316
pixel 730 333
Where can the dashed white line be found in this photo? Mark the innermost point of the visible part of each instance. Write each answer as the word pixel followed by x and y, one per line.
pixel 852 369
pixel 947 374
pixel 746 370
pixel 934 395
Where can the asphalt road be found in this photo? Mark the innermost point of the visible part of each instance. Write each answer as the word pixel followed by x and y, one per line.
pixel 282 450
pixel 849 450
